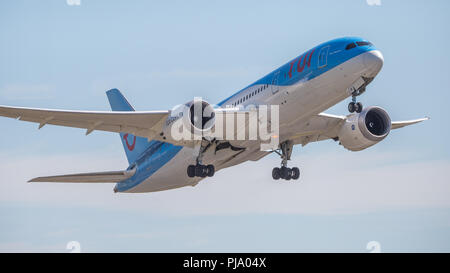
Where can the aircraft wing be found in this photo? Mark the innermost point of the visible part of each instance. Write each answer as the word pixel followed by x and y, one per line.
pixel 99 177
pixel 148 124
pixel 400 124
pixel 325 126
pixel 139 123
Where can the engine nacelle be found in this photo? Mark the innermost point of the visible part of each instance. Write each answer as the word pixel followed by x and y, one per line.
pixel 191 120
pixel 365 129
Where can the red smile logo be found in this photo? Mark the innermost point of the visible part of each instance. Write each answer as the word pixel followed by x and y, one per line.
pixel 130 147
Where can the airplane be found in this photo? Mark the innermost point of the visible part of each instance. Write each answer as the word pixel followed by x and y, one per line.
pixel 302 89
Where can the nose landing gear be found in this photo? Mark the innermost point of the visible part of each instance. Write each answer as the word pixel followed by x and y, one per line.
pixel 356 90
pixel 284 172
pixel 354 106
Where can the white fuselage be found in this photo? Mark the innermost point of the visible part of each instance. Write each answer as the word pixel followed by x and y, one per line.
pixel 297 103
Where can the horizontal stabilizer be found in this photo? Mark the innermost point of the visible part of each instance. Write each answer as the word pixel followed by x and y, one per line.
pixel 99 177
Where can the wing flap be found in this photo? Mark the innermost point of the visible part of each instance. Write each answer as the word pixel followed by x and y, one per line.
pixel 96 177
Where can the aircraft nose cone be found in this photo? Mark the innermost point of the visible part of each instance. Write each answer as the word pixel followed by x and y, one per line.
pixel 373 62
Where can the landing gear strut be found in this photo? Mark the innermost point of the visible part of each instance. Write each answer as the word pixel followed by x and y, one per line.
pixel 284 172
pixel 200 170
pixel 357 89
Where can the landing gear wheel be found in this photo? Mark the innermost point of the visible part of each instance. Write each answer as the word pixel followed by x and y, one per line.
pixel 191 171
pixel 285 173
pixel 358 107
pixel 288 175
pixel 295 173
pixel 276 173
pixel 199 170
pixel 204 171
pixel 210 170
pixel 351 107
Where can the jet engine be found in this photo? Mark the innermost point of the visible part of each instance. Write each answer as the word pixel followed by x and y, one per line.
pixel 191 120
pixel 365 129
pixel 201 115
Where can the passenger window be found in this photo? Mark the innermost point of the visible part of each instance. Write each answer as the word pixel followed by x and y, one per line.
pixel 350 46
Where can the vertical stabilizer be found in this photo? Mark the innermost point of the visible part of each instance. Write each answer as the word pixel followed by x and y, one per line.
pixel 134 146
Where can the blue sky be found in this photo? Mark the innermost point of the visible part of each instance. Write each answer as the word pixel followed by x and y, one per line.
pixel 160 54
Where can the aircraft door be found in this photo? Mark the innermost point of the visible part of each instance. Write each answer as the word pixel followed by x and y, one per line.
pixel 323 55
pixel 275 86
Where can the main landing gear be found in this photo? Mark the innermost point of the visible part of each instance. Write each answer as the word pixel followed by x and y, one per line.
pixel 200 170
pixel 284 172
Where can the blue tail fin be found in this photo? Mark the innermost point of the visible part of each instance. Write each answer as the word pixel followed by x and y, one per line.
pixel 133 146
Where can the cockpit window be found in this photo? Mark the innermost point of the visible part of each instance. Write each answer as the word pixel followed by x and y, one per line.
pixel 363 43
pixel 350 46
